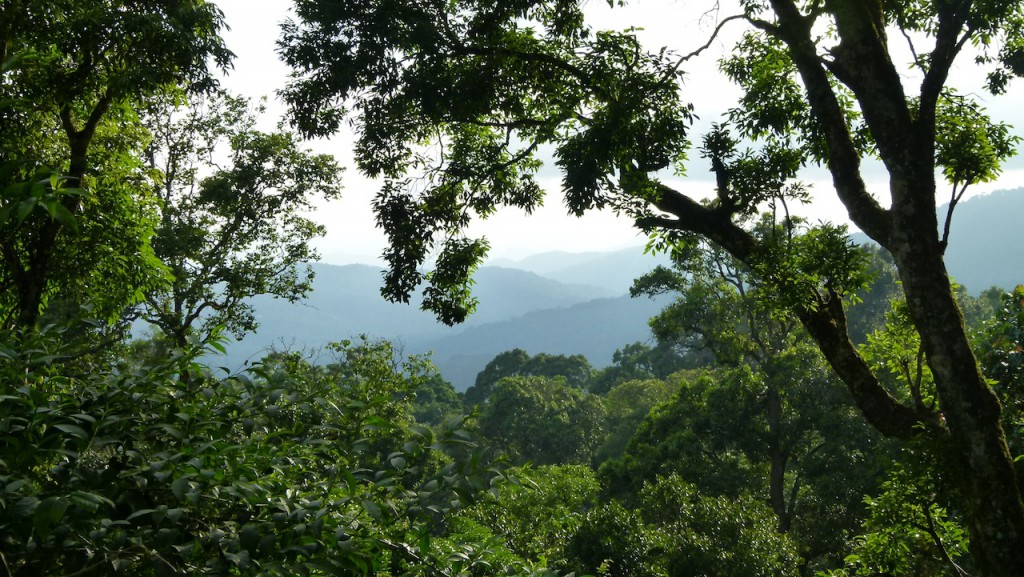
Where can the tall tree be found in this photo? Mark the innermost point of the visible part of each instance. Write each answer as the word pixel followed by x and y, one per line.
pixel 575 370
pixel 543 420
pixel 92 63
pixel 230 230
pixel 487 84
pixel 790 418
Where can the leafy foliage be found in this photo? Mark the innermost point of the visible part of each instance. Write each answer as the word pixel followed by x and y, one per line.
pixel 679 531
pixel 909 531
pixel 540 513
pixel 235 231
pixel 467 94
pixel 575 370
pixel 627 404
pixel 69 102
pixel 543 420
pixel 288 468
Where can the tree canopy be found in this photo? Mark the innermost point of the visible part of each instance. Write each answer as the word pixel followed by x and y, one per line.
pixel 453 101
pixel 235 231
pixel 69 108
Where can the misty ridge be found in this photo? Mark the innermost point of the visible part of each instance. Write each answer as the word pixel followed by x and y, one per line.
pixel 565 303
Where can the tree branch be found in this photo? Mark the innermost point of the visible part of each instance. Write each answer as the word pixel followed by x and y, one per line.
pixel 711 40
pixel 826 322
pixel 934 534
pixel 843 159
pixel 827 325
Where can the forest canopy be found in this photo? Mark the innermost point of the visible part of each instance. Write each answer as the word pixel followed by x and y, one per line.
pixel 807 407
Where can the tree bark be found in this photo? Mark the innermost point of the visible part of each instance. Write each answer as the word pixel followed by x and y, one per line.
pixel 778 459
pixel 909 231
pixel 984 467
pixel 32 283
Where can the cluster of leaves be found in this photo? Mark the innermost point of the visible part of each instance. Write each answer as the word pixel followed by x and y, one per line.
pixel 543 420
pixel 555 409
pixel 229 230
pixel 1002 353
pixel 574 369
pixel 560 514
pixel 677 530
pixel 465 94
pixel 911 529
pixel 288 468
pixel 75 75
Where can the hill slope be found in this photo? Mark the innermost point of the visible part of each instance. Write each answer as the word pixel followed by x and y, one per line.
pixel 985 240
pixel 594 329
pixel 346 302
pixel 612 271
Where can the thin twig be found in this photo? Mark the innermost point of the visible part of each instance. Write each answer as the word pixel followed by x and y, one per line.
pixel 954 199
pixel 711 40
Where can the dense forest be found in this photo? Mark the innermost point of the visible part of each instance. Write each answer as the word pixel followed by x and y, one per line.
pixel 806 406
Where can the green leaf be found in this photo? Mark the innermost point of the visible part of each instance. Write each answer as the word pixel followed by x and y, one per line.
pixel 24 507
pixel 73 430
pixel 25 208
pixel 372 509
pixel 64 216
pixel 49 512
pixel 174 515
pixel 121 565
pixel 90 501
pixel 180 487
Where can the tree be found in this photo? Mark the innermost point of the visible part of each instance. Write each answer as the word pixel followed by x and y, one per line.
pixel 771 413
pixel 286 469
pixel 436 401
pixel 626 405
pixel 1002 353
pixel 676 530
pixel 92 62
pixel 575 370
pixel 489 85
pixel 538 514
pixel 909 531
pixel 543 420
pixel 229 231
pixel 639 361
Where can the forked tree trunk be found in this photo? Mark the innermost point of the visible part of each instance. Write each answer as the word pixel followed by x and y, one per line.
pixel 984 467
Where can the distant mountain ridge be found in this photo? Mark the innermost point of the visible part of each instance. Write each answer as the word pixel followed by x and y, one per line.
pixel 986 240
pixel 517 308
pixel 569 303
pixel 595 329
pixel 612 271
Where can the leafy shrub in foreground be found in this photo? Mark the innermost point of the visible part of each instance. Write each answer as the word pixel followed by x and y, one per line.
pixel 287 469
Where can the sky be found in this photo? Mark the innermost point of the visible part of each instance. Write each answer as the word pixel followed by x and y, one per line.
pixel 682 25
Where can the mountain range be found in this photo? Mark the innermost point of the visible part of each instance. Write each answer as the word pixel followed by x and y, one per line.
pixel 564 303
pixel 517 308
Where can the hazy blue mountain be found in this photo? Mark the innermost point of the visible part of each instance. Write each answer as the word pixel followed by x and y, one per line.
pixel 985 241
pixel 346 302
pixel 594 329
pixel 546 262
pixel 613 271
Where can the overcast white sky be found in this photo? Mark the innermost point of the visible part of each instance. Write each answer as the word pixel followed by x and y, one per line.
pixel 682 25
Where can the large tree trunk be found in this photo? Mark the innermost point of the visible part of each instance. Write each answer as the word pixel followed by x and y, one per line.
pixel 984 467
pixel 779 458
pixel 37 270
pixel 905 140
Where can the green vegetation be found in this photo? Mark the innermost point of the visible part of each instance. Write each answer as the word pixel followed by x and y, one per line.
pixel 479 90
pixel 798 413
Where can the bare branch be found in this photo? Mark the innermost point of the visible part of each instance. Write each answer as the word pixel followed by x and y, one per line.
pixel 711 40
